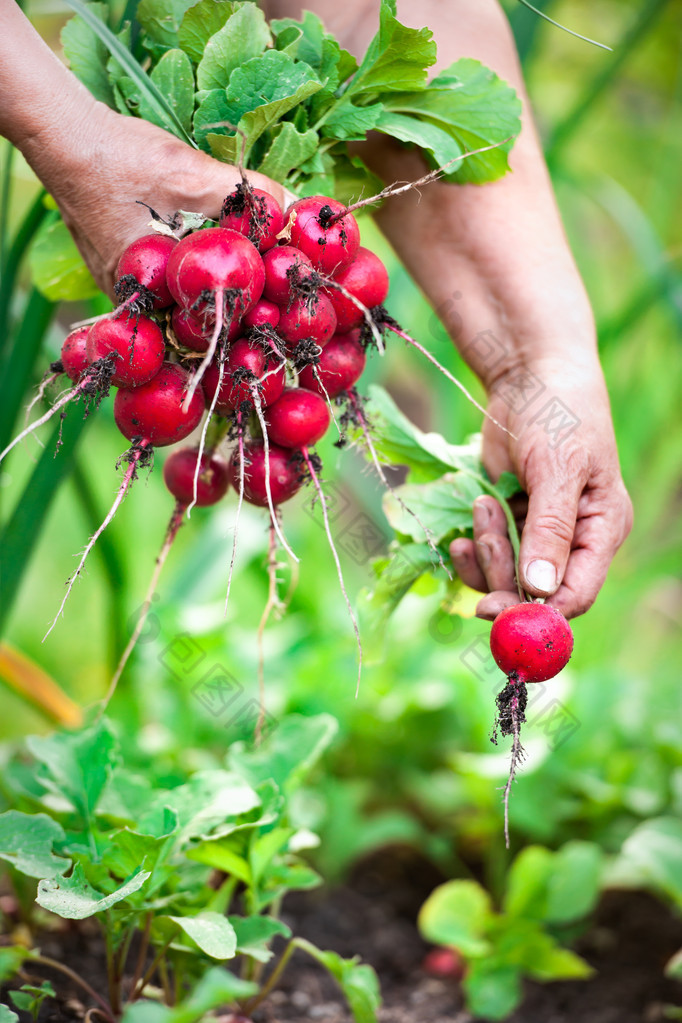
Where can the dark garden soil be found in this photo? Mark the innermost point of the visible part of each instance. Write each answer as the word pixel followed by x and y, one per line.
pixel 632 937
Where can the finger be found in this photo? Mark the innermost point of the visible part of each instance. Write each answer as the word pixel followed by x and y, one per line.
pixel 548 533
pixel 488 517
pixel 463 554
pixel 491 605
pixel 496 557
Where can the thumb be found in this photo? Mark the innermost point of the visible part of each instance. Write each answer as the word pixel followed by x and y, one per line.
pixel 548 533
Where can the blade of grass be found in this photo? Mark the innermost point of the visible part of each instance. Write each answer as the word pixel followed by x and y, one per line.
pixel 5 191
pixel 19 536
pixel 109 553
pixel 9 269
pixel 125 58
pixel 16 374
pixel 630 41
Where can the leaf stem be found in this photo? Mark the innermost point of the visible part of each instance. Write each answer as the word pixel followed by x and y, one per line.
pixel 77 979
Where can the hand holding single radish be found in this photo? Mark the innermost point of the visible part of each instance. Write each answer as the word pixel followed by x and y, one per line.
pixel 578 511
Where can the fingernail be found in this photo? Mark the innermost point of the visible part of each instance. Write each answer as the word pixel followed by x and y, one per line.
pixel 458 550
pixel 481 515
pixel 541 575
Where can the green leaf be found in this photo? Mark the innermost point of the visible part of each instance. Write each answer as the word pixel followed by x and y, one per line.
pixel 201 21
pixel 217 987
pixel 7 1016
pixel 146 1012
pixel 526 894
pixel 161 19
pixel 76 765
pixel 574 882
pixel 211 113
pixel 87 54
pixel 350 122
pixel 287 754
pixel 57 267
pixel 244 35
pixel 476 108
pixel 549 962
pixel 11 958
pixel 492 991
pixel 254 934
pixel 442 505
pixel 655 849
pixel 206 801
pixel 358 981
pixel 26 842
pixel 125 58
pixel 31 996
pixel 396 58
pixel 128 849
pixel 457 914
pixel 74 898
pixel 353 178
pixel 424 134
pixel 174 77
pixel 289 149
pixel 212 932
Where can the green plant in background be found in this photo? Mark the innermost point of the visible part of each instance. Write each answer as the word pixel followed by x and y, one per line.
pixel 545 891
pixel 167 864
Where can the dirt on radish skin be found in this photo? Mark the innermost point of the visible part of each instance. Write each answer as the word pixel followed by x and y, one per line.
pixel 154 410
pixel 140 276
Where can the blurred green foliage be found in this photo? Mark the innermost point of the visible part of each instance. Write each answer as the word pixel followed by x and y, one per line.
pixel 412 760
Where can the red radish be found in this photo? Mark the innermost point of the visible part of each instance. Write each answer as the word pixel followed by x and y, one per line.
pixel 445 963
pixel 75 354
pixel 366 278
pixel 142 268
pixel 280 263
pixel 253 213
pixel 298 419
pixel 213 479
pixel 154 411
pixel 215 266
pixel 285 474
pixel 263 314
pixel 254 363
pixel 531 642
pixel 312 318
pixel 138 343
pixel 340 365
pixel 194 333
pixel 330 244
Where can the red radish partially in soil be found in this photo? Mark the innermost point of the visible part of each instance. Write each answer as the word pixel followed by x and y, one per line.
pixel 531 642
pixel 254 213
pixel 321 228
pixel 155 411
pixel 137 343
pixel 140 278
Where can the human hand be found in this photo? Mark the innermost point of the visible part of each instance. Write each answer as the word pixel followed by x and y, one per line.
pixel 109 163
pixel 578 512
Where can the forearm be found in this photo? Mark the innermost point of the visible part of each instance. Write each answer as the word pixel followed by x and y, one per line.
pixel 490 257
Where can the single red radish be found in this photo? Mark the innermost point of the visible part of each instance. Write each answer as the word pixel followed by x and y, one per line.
pixel 255 214
pixel 366 279
pixel 263 314
pixel 444 963
pixel 246 364
pixel 155 412
pixel 216 268
pixel 340 365
pixel 329 243
pixel 138 343
pixel 531 642
pixel 213 481
pixel 285 473
pixel 281 264
pixel 142 270
pixel 74 355
pixel 297 419
pixel 311 318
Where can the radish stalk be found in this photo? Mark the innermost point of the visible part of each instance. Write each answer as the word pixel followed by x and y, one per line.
pixel 210 351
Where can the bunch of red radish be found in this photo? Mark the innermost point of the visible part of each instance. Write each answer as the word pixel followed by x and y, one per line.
pixel 257 320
